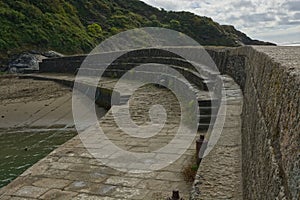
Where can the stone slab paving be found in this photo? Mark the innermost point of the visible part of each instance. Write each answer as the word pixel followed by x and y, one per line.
pixel 70 172
pixel 220 173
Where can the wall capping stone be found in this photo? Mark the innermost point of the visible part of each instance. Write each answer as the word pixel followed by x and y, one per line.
pixel 270 80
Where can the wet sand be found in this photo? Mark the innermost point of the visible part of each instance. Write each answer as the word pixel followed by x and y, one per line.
pixel 31 103
pixel 35 118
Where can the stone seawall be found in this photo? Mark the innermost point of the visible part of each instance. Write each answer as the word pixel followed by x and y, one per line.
pixel 270 79
pixel 103 96
pixel 61 65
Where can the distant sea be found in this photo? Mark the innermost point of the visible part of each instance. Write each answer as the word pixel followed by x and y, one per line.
pixel 290 44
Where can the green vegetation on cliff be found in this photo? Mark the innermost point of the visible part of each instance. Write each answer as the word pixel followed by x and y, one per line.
pixel 76 26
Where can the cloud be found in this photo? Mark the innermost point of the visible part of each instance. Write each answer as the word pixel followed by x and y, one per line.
pixel 195 5
pixel 177 4
pixel 240 4
pixel 281 35
pixel 259 17
pixel 292 5
pixel 254 17
pixel 296 16
pixel 293 20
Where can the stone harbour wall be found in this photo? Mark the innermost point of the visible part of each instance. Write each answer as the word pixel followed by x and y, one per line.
pixel 270 79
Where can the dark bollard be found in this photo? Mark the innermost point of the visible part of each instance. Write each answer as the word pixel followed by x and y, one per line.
pixel 175 196
pixel 199 143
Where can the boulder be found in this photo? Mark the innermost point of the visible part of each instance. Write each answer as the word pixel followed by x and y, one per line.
pixel 52 54
pixel 29 61
pixel 25 61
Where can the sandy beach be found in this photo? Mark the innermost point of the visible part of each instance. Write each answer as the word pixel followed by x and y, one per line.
pixel 35 118
pixel 32 103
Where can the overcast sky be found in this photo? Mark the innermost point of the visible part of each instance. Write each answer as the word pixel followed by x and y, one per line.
pixel 272 20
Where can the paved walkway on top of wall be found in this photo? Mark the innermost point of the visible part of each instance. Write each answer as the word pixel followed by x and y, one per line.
pixel 220 173
pixel 70 172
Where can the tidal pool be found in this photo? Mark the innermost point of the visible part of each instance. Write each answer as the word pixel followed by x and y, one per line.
pixel 20 149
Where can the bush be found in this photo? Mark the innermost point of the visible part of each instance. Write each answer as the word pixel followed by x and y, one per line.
pixel 95 30
pixel 174 24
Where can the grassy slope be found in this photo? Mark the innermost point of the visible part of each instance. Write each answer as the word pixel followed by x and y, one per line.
pixel 76 26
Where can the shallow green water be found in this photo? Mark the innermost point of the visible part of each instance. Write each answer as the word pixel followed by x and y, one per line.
pixel 21 149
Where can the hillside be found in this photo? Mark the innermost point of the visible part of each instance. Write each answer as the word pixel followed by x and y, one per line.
pixel 76 26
